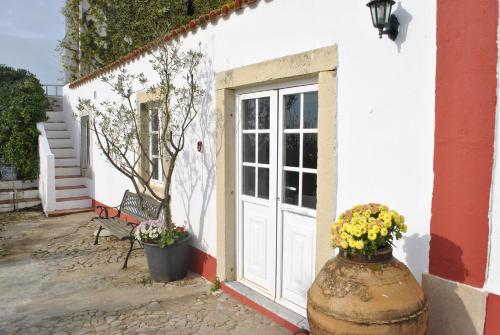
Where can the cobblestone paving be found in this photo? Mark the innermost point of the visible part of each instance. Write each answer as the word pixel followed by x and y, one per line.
pixel 53 280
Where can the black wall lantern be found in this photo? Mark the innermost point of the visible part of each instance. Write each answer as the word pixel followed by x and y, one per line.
pixel 382 19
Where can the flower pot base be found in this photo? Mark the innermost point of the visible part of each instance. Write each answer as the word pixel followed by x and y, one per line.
pixel 168 264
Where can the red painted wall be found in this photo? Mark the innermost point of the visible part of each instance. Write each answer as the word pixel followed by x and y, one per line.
pixel 465 123
pixel 492 325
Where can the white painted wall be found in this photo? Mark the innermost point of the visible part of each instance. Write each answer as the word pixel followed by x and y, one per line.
pixel 385 107
pixel 493 271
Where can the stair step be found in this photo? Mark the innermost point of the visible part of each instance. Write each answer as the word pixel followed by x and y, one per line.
pixel 84 197
pixel 60 188
pixel 62 181
pixel 62 152
pixel 55 116
pixel 55 126
pixel 64 177
pixel 60 143
pixel 69 211
pixel 73 202
pixel 66 166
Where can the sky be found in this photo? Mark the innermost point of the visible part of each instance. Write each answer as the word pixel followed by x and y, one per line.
pixel 29 34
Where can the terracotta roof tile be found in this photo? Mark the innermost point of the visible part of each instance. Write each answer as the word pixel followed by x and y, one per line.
pixel 202 21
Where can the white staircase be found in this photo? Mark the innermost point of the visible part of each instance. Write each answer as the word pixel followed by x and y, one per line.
pixel 71 193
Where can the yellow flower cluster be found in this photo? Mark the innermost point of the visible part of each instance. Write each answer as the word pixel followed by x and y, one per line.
pixel 366 228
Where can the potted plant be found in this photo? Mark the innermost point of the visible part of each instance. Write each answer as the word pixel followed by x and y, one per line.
pixel 167 249
pixel 365 290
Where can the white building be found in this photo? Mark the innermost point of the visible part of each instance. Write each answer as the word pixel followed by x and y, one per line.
pixel 409 123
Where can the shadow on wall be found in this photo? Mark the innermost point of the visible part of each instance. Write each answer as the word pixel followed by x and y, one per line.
pixel 404 18
pixel 448 312
pixel 416 248
pixel 198 175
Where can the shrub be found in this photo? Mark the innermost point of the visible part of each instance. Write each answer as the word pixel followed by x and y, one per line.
pixel 22 105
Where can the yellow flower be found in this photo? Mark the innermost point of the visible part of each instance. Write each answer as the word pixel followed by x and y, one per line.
pixel 344 244
pixel 388 223
pixel 372 235
pixel 344 236
pixel 375 229
pixel 356 231
pixel 364 229
pixel 367 213
pixel 349 228
pixel 383 232
pixel 351 242
pixel 360 245
pixel 404 228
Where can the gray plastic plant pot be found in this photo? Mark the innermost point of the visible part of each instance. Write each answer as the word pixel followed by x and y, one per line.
pixel 169 263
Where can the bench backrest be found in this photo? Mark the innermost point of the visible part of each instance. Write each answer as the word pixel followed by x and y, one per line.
pixel 145 208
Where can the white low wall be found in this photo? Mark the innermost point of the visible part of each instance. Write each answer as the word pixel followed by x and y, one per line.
pixel 385 108
pixel 46 178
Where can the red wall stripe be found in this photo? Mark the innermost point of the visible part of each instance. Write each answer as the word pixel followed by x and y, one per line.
pixel 203 264
pixel 465 122
pixel 492 325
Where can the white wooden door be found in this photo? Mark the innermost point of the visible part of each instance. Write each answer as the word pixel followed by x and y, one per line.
pixel 276 167
pixel 296 215
pixel 257 124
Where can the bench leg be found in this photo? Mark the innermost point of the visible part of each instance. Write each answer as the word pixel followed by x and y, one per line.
pixel 97 235
pixel 132 240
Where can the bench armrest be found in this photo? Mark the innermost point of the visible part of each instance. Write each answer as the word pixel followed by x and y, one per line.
pixel 104 209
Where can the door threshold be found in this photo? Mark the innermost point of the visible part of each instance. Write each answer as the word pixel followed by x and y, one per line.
pixel 266 306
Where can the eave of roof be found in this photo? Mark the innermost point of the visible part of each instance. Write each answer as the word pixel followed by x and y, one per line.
pixel 180 32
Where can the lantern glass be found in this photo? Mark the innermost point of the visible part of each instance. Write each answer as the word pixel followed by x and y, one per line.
pixel 373 10
pixel 381 12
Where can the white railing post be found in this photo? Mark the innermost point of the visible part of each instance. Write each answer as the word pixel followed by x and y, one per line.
pixel 46 180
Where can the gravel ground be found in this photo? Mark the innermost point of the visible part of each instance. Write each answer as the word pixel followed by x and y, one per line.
pixel 53 280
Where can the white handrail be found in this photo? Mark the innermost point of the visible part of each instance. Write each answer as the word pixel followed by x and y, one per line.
pixel 46 180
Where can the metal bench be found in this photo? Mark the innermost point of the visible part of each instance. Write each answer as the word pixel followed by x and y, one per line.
pixel 142 209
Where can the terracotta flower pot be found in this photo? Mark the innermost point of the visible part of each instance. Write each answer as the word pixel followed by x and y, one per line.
pixel 354 295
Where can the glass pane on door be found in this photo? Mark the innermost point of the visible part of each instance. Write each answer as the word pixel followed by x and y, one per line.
pixel 300 148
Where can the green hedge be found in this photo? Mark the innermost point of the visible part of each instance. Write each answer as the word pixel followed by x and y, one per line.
pixel 22 105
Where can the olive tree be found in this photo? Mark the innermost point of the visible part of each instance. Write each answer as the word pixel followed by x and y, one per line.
pixel 119 128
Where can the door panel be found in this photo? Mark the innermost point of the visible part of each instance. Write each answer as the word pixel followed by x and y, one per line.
pixel 259 245
pixel 298 257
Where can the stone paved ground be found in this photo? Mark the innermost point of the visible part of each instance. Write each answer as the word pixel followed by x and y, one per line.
pixel 53 280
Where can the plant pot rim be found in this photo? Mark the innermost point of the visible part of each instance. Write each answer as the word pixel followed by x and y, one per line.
pixel 381 256
pixel 185 239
